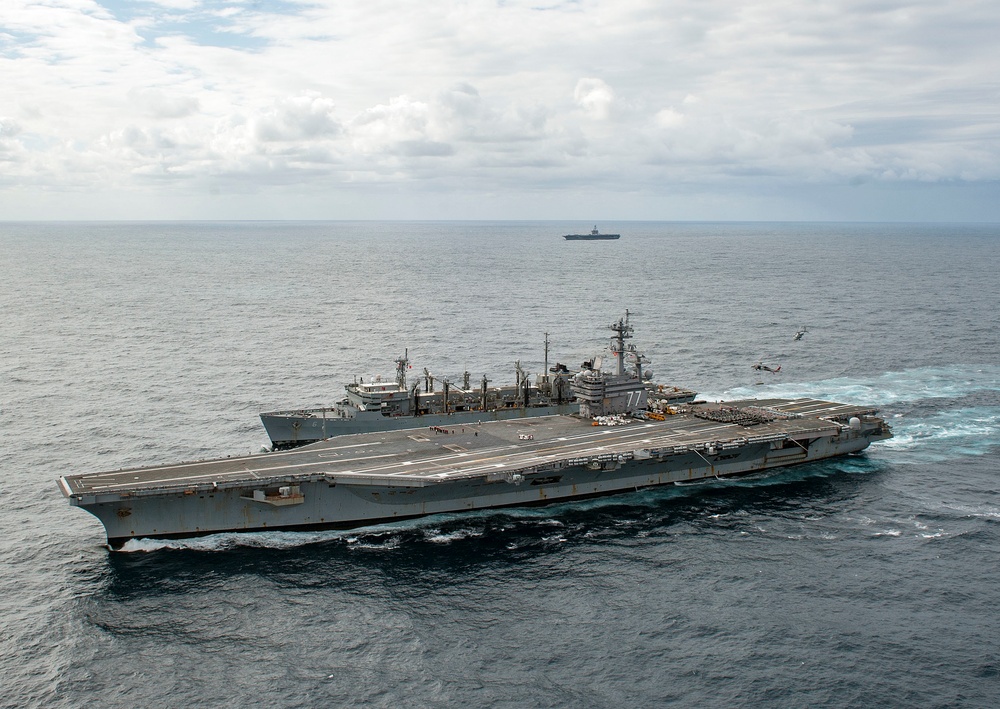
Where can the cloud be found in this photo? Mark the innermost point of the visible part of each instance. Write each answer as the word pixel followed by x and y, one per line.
pixel 381 127
pixel 305 117
pixel 8 128
pixel 595 97
pixel 11 150
pixel 669 118
pixel 160 104
pixel 625 96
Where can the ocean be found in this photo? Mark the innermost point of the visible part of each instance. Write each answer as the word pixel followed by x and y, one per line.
pixel 870 580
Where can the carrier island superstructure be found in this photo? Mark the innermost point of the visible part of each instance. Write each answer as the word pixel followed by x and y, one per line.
pixel 616 443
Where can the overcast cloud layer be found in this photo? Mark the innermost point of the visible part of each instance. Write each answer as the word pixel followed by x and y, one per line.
pixel 510 109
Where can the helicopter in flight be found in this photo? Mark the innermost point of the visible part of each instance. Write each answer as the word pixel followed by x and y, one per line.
pixel 798 335
pixel 761 367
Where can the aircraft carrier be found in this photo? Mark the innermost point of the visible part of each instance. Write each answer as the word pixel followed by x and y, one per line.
pixel 621 440
pixel 594 234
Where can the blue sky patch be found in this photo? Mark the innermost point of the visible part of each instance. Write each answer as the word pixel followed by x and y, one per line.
pixel 212 23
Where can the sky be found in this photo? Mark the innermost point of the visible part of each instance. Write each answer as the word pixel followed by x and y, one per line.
pixel 580 110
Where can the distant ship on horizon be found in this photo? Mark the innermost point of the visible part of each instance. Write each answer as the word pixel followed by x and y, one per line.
pixel 594 234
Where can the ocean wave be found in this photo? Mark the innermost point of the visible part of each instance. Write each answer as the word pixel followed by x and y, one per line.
pixel 943 435
pixel 437 536
pixel 927 408
pixel 889 388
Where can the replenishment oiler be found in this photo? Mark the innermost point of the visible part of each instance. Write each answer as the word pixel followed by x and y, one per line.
pixel 623 438
pixel 382 405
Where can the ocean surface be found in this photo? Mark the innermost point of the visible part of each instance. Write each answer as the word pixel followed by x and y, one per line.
pixel 866 581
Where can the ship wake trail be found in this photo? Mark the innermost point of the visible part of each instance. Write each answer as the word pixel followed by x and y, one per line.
pixel 937 413
pixel 888 389
pixel 937 436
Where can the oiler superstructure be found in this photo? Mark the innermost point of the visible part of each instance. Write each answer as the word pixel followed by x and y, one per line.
pixel 361 479
pixel 393 404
